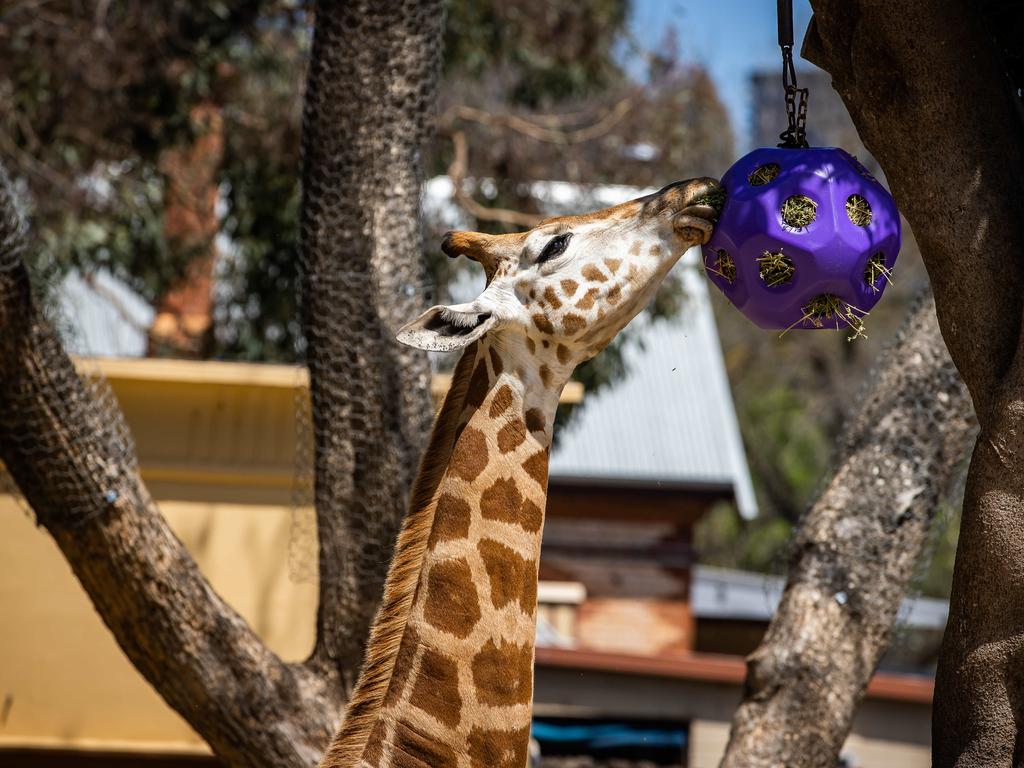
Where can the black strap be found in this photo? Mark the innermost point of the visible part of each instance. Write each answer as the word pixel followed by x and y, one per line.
pixel 795 134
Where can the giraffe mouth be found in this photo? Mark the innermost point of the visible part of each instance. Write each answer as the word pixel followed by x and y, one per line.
pixel 454 324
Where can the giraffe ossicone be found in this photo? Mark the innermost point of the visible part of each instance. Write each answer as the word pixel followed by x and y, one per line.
pixel 448 677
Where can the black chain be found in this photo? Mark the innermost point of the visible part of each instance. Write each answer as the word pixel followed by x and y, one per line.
pixel 795 135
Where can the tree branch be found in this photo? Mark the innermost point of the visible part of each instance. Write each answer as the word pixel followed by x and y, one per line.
pixel 853 555
pixel 369 102
pixel 457 174
pixel 71 457
pixel 923 84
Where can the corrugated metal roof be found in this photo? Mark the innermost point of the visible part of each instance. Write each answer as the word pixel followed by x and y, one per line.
pixel 103 317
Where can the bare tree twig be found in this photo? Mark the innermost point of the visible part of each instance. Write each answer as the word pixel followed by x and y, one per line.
pixel 457 174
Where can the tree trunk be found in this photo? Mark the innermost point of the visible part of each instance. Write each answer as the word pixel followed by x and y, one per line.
pixel 371 87
pixel 932 104
pixel 854 553
pixel 369 103
pixel 65 443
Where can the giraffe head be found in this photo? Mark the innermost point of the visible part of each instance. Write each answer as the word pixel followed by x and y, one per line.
pixel 565 288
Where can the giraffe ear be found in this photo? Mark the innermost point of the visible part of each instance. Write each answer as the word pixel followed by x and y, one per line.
pixel 444 329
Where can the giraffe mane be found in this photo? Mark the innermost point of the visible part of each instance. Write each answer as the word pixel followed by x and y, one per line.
pixel 400 587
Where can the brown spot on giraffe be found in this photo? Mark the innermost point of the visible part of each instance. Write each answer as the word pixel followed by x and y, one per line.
pixel 613 265
pixel 531 517
pixel 655 250
pixel 403 664
pixel 537 467
pixel 614 294
pixel 573 323
pixel 477 391
pixel 502 401
pixel 470 455
pixel 592 273
pixel 498 749
pixel 569 287
pixel 496 364
pixel 413 749
pixel 563 353
pixel 634 249
pixel 531 345
pixel 545 376
pixel 511 436
pixel 535 421
pixel 511 576
pixel 501 501
pixel 436 691
pixel 588 299
pixel 543 324
pixel 503 674
pixel 452 604
pixel 451 520
pixel 552 297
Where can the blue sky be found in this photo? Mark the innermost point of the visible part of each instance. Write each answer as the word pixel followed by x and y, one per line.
pixel 731 38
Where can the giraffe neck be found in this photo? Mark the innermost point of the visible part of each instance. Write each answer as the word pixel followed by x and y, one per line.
pixel 450 663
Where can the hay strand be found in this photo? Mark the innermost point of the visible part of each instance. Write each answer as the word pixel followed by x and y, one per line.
pixel 875 271
pixel 775 268
pixel 764 174
pixel 723 266
pixel 798 211
pixel 858 210
pixel 829 308
pixel 715 199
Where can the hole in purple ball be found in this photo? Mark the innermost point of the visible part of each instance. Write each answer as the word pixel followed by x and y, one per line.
pixel 876 273
pixel 764 174
pixel 723 266
pixel 858 210
pixel 775 268
pixel 798 211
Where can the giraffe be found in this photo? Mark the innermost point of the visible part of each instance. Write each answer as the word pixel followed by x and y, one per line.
pixel 447 681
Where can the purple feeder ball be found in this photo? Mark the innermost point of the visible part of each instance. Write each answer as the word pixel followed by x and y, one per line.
pixel 798 225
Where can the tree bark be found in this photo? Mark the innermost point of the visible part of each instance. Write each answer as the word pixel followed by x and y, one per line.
pixel 68 450
pixel 369 103
pixel 853 555
pixel 931 103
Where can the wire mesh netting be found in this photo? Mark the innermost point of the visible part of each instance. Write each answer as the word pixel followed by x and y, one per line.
pixel 63 437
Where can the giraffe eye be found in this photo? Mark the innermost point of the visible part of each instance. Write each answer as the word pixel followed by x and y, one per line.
pixel 555 247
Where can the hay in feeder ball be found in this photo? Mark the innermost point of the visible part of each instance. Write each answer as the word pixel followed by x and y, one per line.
pixel 827 308
pixel 798 211
pixel 723 266
pixel 858 210
pixel 875 271
pixel 764 174
pixel 715 199
pixel 775 268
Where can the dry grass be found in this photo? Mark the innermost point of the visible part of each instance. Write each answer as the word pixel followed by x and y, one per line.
pixel 775 268
pixel 764 174
pixel 876 270
pixel 798 211
pixel 723 266
pixel 827 309
pixel 715 199
pixel 858 210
